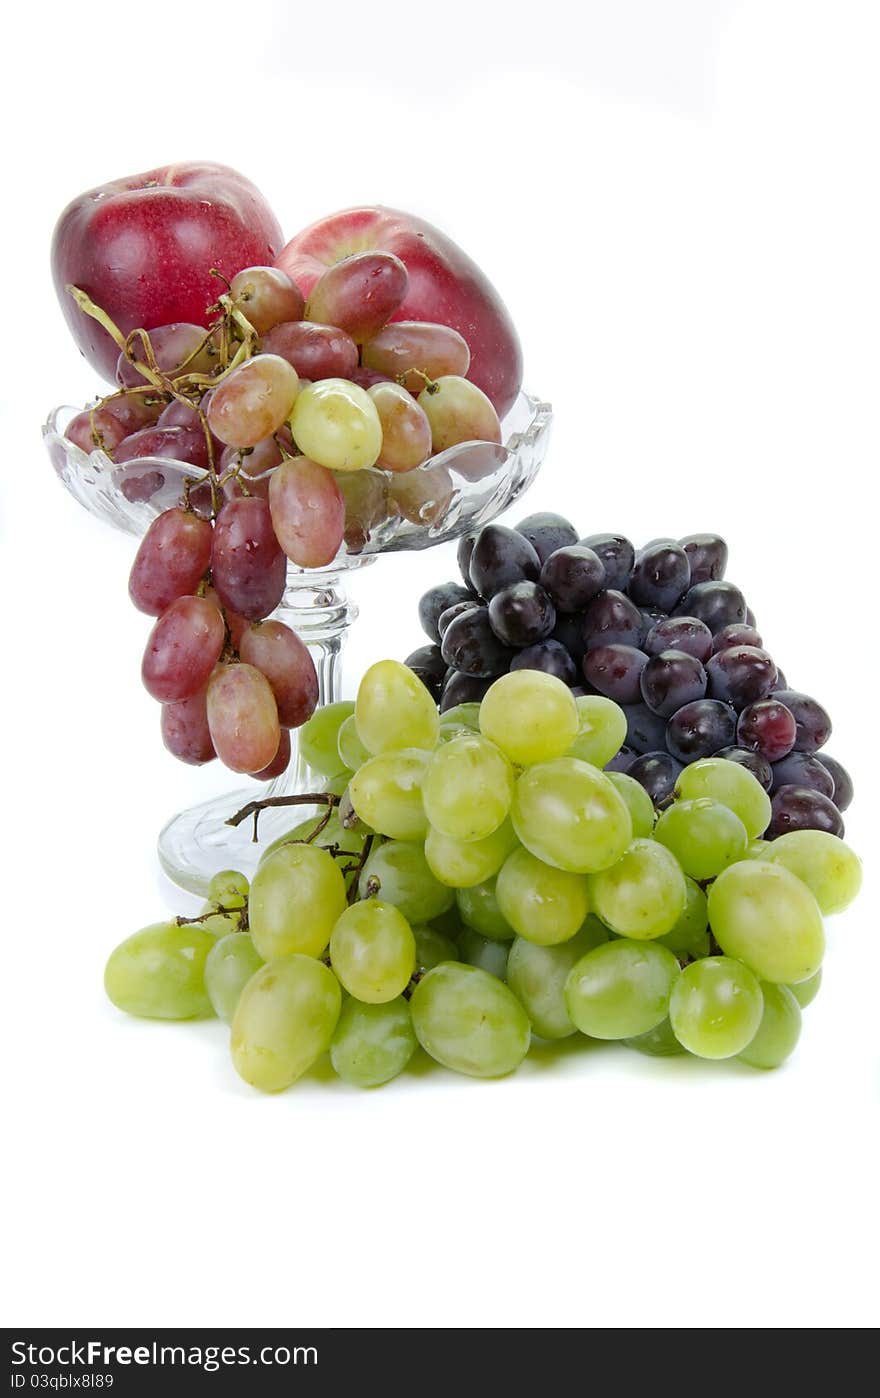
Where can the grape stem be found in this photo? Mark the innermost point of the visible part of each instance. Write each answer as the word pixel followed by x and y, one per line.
pixel 254 808
pixel 358 868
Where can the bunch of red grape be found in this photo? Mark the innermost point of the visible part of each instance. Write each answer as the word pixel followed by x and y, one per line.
pixel 307 426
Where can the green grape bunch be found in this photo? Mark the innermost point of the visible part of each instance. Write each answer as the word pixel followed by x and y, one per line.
pixel 471 882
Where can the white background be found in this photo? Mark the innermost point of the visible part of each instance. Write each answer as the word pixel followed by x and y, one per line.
pixel 676 198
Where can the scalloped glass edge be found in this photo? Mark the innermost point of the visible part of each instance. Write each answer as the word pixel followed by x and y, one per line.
pixel 479 493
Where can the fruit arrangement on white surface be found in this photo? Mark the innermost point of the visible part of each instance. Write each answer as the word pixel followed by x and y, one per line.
pixel 590 805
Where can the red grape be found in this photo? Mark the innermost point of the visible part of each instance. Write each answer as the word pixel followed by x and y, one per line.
pixel 253 401
pixel 266 296
pixel 185 730
pixel 176 349
pixel 406 431
pixel 414 345
pixel 172 559
pixel 280 762
pixel 279 653
pixel 110 431
pixel 360 294
pixel 183 648
pixel 247 564
pixel 177 443
pixel 315 351
pixel 308 512
pixel 767 727
pixel 423 496
pixel 243 718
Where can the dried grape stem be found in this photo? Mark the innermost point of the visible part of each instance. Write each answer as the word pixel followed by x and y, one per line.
pixel 254 808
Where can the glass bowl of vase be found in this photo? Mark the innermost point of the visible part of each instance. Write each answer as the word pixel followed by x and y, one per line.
pixel 458 490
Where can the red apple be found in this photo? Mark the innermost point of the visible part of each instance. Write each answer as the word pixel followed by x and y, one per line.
pixel 445 286
pixel 142 248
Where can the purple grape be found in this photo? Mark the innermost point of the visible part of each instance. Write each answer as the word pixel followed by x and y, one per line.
pixel 657 772
pixel 660 576
pixel 621 761
pixel 645 732
pixel 843 787
pixel 756 764
pixel 572 576
pixel 738 635
pixel 615 671
pixel 707 555
pixel 699 729
pixel 427 662
pixel 617 555
pixel 802 769
pixel 436 601
pixel 500 557
pixel 462 689
pixel 651 617
pixel 612 619
pixel 522 614
pixel 680 633
pixel 718 604
pixel 802 808
pixel 469 644
pixel 767 727
pixel 671 679
pixel 547 532
pixel 569 632
pixel 549 656
pixel 457 609
pixel 813 723
pixel 741 676
pixel 463 556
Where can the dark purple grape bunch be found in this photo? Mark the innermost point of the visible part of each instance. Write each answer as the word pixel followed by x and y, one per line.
pixel 660 631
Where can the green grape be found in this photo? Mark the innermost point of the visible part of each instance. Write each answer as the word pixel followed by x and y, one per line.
pixel 638 802
pixel 318 738
pixel 335 423
pixel 489 955
pixel 398 873
pixel 448 922
pixel 159 972
pixel 373 951
pixel 731 784
pixel 394 710
pixel 806 991
pixel 337 785
pixel 296 897
pixel 432 947
pixel 229 966
pixel 284 1021
pixel 462 864
pixel 621 989
pixel 570 815
pixel 779 1030
pixel 458 721
pixel 351 750
pixel 659 1042
pixel 467 788
pixel 643 895
pixel 387 794
pixel 469 1021
pixel 537 977
pixel 478 908
pixel 531 716
pixel 690 935
pixel 601 730
pixel 220 921
pixel 716 1007
pixel 829 868
pixel 703 835
pixel 228 889
pixel 542 903
pixel 372 1043
pixel 755 849
pixel 764 915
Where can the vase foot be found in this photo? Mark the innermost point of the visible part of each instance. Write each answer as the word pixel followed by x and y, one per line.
pixel 198 843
